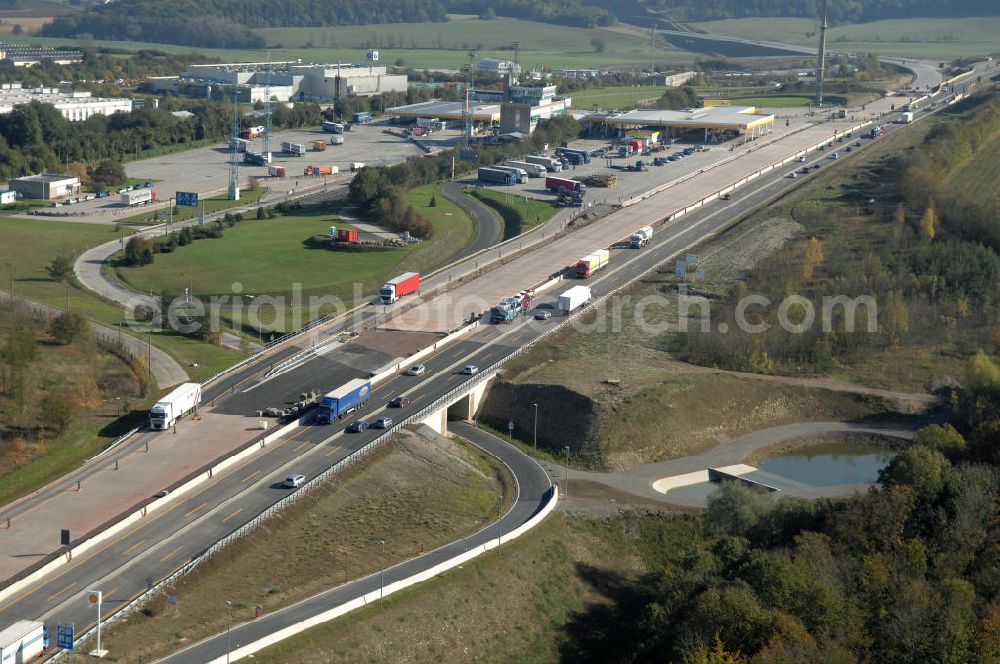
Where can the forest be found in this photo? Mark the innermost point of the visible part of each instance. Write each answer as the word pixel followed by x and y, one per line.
pixel 841 11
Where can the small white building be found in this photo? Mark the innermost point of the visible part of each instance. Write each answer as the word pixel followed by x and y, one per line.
pixel 46 186
pixel 22 642
pixel 7 197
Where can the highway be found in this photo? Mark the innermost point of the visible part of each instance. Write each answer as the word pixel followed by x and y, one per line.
pixel 533 488
pixel 174 535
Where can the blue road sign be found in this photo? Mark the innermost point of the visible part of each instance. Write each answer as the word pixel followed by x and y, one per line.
pixel 187 198
pixel 64 635
pixel 468 155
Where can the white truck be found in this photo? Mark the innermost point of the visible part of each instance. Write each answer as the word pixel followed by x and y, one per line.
pixel 519 173
pixel 294 149
pixel 906 118
pixel 165 413
pixel 137 197
pixel 533 170
pixel 575 297
pixel 641 237
pixel 548 163
pixel 357 166
pixel 335 139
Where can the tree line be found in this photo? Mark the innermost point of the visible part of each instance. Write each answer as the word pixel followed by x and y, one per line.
pixel 560 12
pixel 842 11
pixel 36 137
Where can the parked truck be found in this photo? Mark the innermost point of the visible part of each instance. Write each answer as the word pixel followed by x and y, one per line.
pixel 335 139
pixel 137 197
pixel 590 264
pixel 575 297
pixel 347 398
pixel 241 144
pixel 548 163
pixel 333 127
pixel 496 176
pixel 582 156
pixel 349 235
pixel 276 171
pixel 319 170
pixel 402 285
pixel 357 166
pixel 641 237
pixel 253 132
pixel 363 116
pixel 293 149
pixel 257 158
pixel 319 146
pixel 165 413
pixel 556 184
pixel 533 170
pixel 520 174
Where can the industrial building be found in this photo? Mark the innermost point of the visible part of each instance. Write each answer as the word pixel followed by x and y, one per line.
pixel 47 186
pixel 447 111
pixel 285 81
pixel 74 106
pixel 717 122
pixel 24 55
pixel 497 67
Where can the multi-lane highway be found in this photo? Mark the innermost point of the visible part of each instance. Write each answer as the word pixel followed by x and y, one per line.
pixel 124 565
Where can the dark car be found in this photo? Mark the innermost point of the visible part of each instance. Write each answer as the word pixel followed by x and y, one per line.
pixel 357 427
pixel 399 402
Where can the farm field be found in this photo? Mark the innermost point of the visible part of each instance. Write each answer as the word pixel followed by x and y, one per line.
pixel 935 38
pixel 423 45
pixel 615 97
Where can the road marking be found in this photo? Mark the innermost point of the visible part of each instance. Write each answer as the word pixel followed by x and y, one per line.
pixel 133 547
pixel 60 592
pixel 110 593
pixel 300 447
pixel 194 509
pixel 171 554
pixel 238 510
pixel 333 451
pixel 250 476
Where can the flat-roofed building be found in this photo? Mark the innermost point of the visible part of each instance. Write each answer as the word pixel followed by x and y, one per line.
pixel 46 186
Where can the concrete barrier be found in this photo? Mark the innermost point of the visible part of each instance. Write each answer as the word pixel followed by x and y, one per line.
pixel 374 596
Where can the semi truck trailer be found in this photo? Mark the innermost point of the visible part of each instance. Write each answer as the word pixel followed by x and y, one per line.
pixel 137 197
pixel 520 175
pixel 510 308
pixel 347 398
pixel 294 149
pixel 497 176
pixel 555 184
pixel 548 163
pixel 533 170
pixel 402 285
pixel 575 297
pixel 165 413
pixel 590 264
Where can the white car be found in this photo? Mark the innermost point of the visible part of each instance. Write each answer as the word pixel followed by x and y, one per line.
pixel 802 158
pixel 833 155
pixel 793 175
pixel 293 481
pixel 470 369
pixel 416 370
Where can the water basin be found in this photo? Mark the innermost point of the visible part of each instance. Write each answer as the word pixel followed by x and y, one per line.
pixel 830 464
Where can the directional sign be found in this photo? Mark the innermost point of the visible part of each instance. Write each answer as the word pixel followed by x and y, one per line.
pixel 468 155
pixel 64 635
pixel 680 270
pixel 187 198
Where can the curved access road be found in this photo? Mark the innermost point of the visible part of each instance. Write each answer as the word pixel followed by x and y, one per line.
pixel 533 493
pixel 489 226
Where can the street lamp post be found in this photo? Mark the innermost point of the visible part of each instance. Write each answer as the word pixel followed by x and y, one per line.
pixel 535 432
pixel 566 447
pixel 381 572
pixel 229 629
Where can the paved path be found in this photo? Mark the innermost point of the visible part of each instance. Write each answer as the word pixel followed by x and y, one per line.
pixel 639 481
pixel 166 371
pixel 489 226
pixel 533 489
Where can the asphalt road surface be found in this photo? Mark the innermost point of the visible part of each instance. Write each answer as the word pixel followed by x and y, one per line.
pixel 533 488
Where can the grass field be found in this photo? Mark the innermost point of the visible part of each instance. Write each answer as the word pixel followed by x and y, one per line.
pixel 616 97
pixel 982 172
pixel 29 244
pixel 425 45
pixel 935 38
pixel 519 213
pixel 213 266
pixel 416 495
pixel 772 102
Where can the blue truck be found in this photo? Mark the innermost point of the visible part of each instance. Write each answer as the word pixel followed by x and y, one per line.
pixel 363 116
pixel 497 176
pixel 347 398
pixel 574 156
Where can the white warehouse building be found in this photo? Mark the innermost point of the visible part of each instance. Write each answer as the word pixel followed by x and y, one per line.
pixel 288 81
pixel 74 106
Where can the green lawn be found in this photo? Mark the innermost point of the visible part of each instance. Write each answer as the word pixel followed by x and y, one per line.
pixel 615 97
pixel 29 244
pixel 271 257
pixel 936 38
pixel 212 205
pixel 520 213
pixel 982 172
pixel 424 44
pixel 772 102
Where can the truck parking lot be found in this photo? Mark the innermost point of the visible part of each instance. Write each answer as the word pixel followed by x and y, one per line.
pixel 206 170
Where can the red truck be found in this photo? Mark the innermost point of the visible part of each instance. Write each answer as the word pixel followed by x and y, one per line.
pixel 402 285
pixel 555 184
pixel 347 235
pixel 636 145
